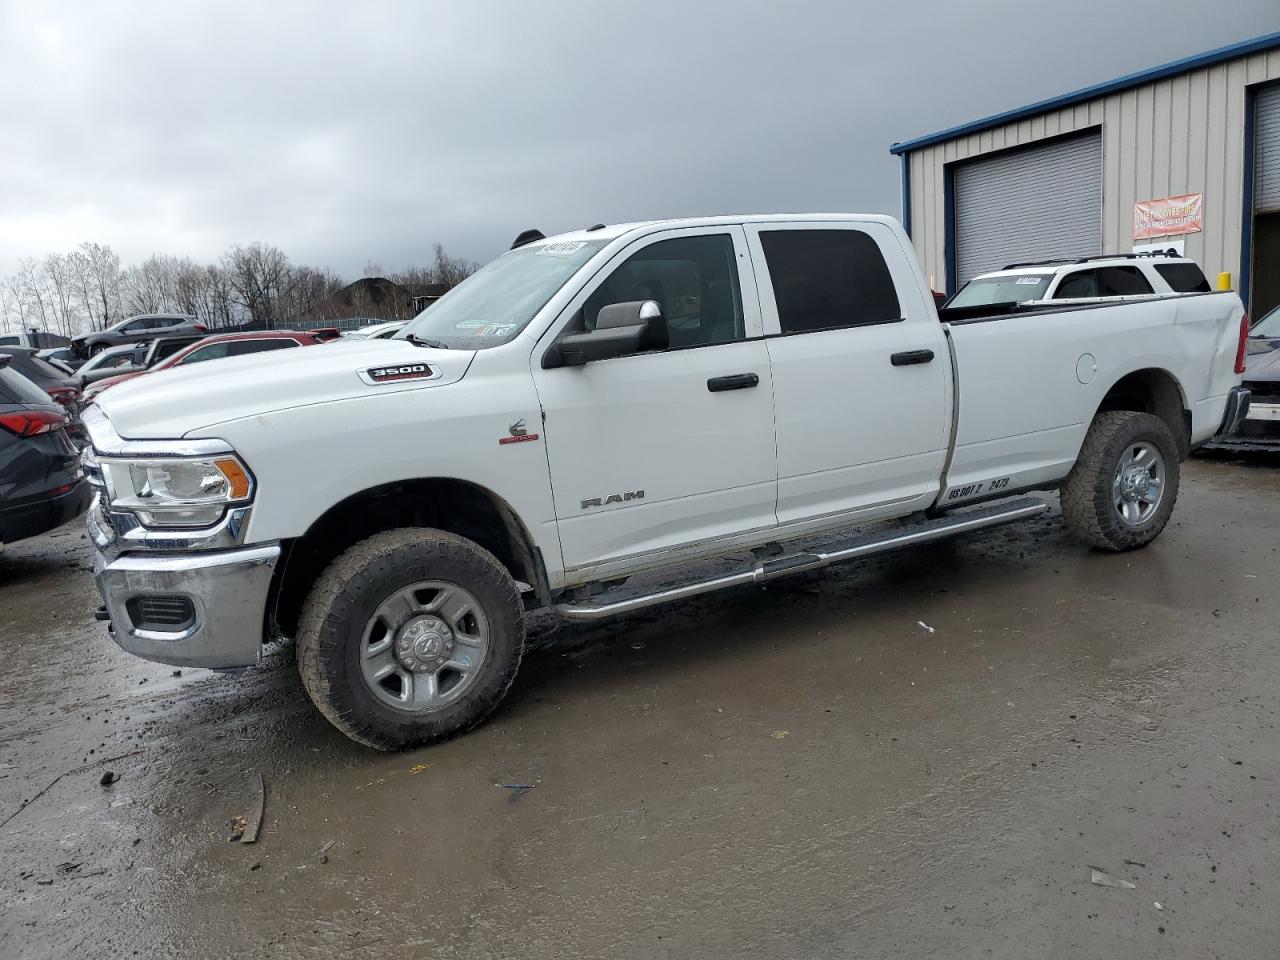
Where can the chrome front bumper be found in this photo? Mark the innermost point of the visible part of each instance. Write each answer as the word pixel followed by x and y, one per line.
pixel 227 591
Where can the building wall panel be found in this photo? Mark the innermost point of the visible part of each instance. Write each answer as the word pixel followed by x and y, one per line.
pixel 1177 135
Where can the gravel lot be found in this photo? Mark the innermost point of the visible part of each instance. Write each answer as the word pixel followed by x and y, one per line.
pixel 807 771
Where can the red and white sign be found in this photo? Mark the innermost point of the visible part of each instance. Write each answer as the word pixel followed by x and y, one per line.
pixel 1168 217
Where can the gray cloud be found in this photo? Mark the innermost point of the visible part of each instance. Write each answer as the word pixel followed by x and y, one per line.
pixel 352 132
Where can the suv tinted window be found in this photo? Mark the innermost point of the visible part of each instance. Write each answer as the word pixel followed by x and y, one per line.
pixel 213 351
pixel 828 279
pixel 694 279
pixel 241 348
pixel 1183 277
pixel 1122 282
pixel 1078 284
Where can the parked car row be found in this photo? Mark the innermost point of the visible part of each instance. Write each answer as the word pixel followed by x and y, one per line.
pixel 215 347
pixel 138 329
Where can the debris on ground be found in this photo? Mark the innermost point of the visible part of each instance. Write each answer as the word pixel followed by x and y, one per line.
pixel 779 734
pixel 108 778
pixel 1159 905
pixel 54 782
pixel 926 626
pixel 1103 879
pixel 418 768
pixel 324 850
pixel 254 822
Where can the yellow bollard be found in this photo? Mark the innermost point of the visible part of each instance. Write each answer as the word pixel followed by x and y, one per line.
pixel 1224 281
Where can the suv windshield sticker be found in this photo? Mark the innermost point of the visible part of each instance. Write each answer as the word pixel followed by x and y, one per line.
pixel 1028 280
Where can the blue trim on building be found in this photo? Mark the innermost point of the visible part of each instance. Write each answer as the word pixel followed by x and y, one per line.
pixel 1246 214
pixel 1231 52
pixel 949 226
pixel 906 194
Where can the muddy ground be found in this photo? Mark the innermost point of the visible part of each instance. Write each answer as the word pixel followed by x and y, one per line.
pixel 806 771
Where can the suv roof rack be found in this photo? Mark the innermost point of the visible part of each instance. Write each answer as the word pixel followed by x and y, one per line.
pixel 1145 254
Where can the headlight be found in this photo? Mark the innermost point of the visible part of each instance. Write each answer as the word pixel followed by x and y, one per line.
pixel 177 492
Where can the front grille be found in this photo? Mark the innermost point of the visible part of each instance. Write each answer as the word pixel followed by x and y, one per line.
pixel 164 613
pixel 1268 390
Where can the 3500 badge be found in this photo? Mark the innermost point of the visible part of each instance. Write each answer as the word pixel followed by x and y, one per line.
pixel 397 373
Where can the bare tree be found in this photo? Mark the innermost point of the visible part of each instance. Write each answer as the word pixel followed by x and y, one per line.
pixel 448 270
pixel 60 279
pixel 32 290
pixel 100 270
pixel 260 276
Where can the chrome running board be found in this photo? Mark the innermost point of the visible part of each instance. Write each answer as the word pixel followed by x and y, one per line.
pixel 868 545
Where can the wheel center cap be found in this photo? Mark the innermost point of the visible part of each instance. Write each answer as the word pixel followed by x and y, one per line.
pixel 424 643
pixel 1135 483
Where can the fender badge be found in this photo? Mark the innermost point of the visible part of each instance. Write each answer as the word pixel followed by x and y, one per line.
pixel 394 374
pixel 519 431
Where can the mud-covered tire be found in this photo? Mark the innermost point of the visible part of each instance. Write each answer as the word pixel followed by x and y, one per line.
pixel 332 631
pixel 1089 493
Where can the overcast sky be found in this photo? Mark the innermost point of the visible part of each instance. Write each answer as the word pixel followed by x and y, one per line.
pixel 350 132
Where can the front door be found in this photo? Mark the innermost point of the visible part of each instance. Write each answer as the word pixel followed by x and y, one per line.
pixel 663 450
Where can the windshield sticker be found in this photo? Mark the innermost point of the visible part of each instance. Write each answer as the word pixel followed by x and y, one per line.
pixel 1022 280
pixel 562 248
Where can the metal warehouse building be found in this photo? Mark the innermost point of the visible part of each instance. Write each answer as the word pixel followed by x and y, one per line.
pixel 1185 155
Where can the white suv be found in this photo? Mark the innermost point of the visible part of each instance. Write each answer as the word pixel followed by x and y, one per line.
pixel 1089 278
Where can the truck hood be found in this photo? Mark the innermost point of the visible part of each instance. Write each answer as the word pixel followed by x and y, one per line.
pixel 170 404
pixel 1262 361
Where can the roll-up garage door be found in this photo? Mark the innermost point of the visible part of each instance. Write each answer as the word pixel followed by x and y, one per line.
pixel 1266 150
pixel 1036 203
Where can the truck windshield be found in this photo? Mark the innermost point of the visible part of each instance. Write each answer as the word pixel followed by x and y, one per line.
pixel 1010 289
pixel 496 302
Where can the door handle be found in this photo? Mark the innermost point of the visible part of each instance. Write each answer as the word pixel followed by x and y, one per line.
pixel 908 357
pixel 736 381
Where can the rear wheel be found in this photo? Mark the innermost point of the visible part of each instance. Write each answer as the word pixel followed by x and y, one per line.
pixel 409 637
pixel 1122 490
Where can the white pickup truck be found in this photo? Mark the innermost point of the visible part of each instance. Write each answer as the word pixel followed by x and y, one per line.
pixel 600 407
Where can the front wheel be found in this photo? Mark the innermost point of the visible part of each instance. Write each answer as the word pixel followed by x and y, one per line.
pixel 1122 489
pixel 97 348
pixel 409 637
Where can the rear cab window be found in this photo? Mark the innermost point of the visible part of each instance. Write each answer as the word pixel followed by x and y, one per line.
pixel 828 280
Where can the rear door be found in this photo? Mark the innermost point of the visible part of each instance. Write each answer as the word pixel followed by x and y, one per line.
pixel 664 450
pixel 861 372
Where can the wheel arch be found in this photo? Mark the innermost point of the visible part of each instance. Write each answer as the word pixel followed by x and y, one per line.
pixel 444 503
pixel 1158 392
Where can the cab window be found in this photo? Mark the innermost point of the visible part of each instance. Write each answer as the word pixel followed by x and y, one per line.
pixel 693 279
pixel 828 279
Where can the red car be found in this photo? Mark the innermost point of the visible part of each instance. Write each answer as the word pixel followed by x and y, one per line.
pixel 213 348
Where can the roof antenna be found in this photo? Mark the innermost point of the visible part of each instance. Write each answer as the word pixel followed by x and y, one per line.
pixel 527 236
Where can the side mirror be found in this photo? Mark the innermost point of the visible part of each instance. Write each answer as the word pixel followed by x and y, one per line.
pixel 621 329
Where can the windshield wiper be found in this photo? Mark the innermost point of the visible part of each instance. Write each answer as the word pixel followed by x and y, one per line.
pixel 418 341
